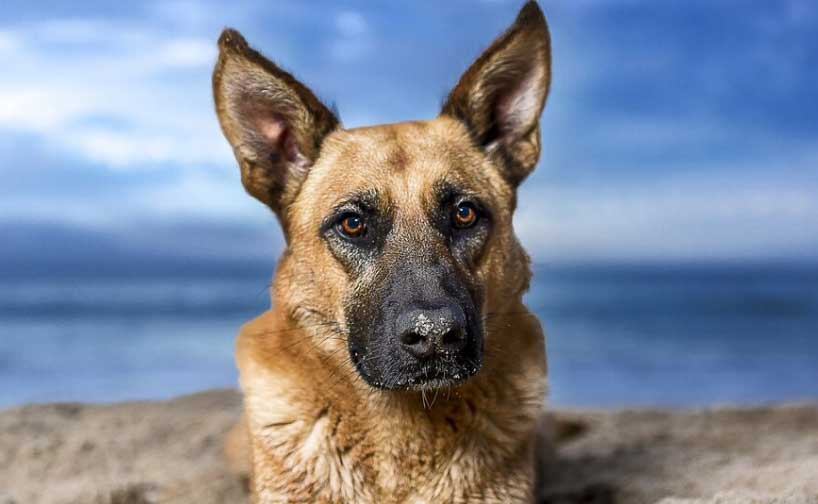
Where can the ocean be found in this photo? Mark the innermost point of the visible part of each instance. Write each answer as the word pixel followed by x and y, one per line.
pixel 671 335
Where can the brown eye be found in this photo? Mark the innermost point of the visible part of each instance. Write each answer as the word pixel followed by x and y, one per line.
pixel 352 225
pixel 465 215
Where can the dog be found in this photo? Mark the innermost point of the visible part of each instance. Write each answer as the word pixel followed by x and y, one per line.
pixel 397 362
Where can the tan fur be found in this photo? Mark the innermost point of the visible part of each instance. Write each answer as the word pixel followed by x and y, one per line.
pixel 318 432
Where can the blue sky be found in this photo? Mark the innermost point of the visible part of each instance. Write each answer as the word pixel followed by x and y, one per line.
pixel 674 130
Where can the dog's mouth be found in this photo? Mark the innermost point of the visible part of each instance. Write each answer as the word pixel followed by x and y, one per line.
pixel 435 376
pixel 441 373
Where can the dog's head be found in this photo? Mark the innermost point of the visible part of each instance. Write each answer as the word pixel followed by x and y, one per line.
pixel 399 237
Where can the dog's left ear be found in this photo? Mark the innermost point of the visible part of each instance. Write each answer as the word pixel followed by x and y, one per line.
pixel 274 123
pixel 501 96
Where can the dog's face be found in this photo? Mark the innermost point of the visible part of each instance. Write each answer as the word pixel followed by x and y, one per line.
pixel 400 240
pixel 404 215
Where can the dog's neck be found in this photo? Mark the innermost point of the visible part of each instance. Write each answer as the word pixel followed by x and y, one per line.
pixel 323 434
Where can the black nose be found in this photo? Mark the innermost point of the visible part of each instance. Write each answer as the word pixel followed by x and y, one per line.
pixel 424 333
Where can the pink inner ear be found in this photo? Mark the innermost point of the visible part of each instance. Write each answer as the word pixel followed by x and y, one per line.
pixel 521 104
pixel 273 130
pixel 277 134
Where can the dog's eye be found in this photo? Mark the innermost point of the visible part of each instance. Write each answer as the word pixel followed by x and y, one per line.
pixel 352 225
pixel 465 215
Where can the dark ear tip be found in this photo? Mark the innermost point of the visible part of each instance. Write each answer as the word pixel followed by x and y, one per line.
pixel 231 39
pixel 530 14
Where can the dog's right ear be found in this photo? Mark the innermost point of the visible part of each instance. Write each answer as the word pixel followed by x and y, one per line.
pixel 274 123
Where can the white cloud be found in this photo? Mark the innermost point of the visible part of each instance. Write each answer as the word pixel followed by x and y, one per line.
pixel 351 24
pixel 8 42
pixel 209 195
pixel 188 14
pixel 74 31
pixel 679 219
pixel 187 53
pixel 39 108
pixel 68 76
pixel 353 40
pixel 204 196
pixel 122 149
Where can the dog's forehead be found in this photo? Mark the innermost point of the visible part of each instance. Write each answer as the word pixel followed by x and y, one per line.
pixel 401 161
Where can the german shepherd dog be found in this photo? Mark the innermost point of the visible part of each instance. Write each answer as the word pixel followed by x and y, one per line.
pixel 397 362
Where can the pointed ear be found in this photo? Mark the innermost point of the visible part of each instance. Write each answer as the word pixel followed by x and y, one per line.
pixel 274 123
pixel 501 96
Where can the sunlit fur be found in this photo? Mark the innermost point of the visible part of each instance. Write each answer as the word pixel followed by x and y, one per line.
pixel 318 431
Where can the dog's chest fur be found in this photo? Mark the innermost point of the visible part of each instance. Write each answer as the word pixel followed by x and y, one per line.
pixel 315 441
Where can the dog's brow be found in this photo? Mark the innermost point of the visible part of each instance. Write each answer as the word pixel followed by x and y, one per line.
pixel 446 190
pixel 367 199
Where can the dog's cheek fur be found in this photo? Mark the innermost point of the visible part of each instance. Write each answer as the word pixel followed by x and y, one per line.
pixel 309 288
pixel 368 343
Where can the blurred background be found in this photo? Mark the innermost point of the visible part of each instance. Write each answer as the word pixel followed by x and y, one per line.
pixel 672 221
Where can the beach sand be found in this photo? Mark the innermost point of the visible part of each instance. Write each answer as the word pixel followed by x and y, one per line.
pixel 171 451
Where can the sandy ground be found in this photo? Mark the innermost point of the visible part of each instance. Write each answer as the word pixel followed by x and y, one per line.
pixel 145 452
